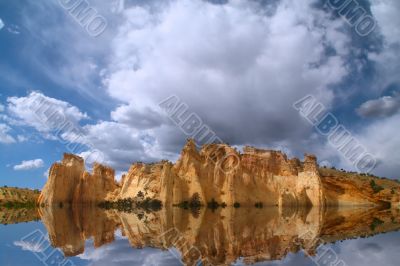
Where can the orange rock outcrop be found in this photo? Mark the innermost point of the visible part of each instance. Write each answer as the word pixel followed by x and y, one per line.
pixel 217 172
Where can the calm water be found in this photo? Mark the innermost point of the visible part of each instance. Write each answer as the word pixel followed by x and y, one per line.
pixel 268 236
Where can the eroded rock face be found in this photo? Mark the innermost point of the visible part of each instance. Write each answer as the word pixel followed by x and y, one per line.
pixel 62 181
pixel 218 173
pixel 69 183
pixel 93 188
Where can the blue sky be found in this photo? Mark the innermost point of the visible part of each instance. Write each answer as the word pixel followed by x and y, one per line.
pixel 238 65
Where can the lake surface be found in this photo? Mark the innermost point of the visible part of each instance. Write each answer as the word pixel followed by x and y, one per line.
pixel 172 236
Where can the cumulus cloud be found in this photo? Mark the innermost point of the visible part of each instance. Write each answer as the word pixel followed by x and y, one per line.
pixel 239 66
pixel 1 24
pixel 41 112
pixel 382 141
pixel 239 69
pixel 140 118
pixel 4 136
pixel 382 107
pixel 387 58
pixel 29 165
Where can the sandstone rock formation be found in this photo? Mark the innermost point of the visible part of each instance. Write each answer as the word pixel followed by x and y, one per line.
pixel 63 179
pixel 69 183
pixel 218 173
pixel 93 188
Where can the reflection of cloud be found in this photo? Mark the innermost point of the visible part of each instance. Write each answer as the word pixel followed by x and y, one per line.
pixel 372 247
pixel 14 29
pixel 32 247
pixel 1 24
pixel 121 253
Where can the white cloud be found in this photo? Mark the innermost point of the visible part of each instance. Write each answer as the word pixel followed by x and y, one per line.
pixel 43 113
pixel 387 14
pixel 1 107
pixel 121 253
pixel 237 68
pixel 4 136
pixel 382 141
pixel 46 174
pixel 28 165
pixel 387 60
pixel 382 107
pixel 29 246
pixel 120 145
pixel 22 138
pixel 1 24
pixel 14 29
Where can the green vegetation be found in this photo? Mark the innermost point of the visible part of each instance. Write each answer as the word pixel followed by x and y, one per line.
pixel 129 204
pixel 18 205
pixel 236 205
pixel 376 188
pixel 14 198
pixel 375 223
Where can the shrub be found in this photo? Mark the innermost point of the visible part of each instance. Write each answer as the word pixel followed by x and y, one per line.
pixel 140 194
pixel 213 204
pixel 184 204
pixel 128 204
pixel 195 201
pixel 236 205
pixel 259 205
pixel 376 188
pixel 376 222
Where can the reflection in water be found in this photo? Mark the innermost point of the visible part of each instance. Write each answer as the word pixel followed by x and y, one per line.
pixel 219 237
pixel 18 215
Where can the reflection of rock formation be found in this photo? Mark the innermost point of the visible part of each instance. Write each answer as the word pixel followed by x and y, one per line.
pixel 68 228
pixel 219 237
pixel 19 215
